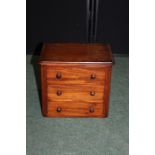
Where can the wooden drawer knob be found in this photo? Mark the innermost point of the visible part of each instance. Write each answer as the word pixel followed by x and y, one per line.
pixel 59 92
pixel 92 93
pixel 93 76
pixel 91 109
pixel 58 76
pixel 59 109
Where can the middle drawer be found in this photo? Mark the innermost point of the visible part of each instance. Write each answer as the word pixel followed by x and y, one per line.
pixel 75 93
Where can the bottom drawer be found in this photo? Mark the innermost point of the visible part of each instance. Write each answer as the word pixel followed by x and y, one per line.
pixel 75 109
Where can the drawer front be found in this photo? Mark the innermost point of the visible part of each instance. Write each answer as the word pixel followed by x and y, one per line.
pixel 68 109
pixel 75 93
pixel 75 90
pixel 78 74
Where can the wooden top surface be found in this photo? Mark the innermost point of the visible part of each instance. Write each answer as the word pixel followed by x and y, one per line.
pixel 75 53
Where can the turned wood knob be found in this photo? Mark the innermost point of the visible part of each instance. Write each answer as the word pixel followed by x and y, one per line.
pixel 92 93
pixel 59 92
pixel 59 109
pixel 91 109
pixel 58 75
pixel 93 76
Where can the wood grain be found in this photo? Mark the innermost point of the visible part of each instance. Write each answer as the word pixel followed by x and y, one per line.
pixel 75 109
pixel 75 80
pixel 76 52
pixel 44 90
pixel 75 92
pixel 75 74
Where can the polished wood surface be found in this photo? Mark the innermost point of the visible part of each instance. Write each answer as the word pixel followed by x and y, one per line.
pixel 75 73
pixel 75 93
pixel 75 89
pixel 75 52
pixel 44 90
pixel 75 109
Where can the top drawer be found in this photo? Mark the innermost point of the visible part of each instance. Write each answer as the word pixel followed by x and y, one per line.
pixel 75 74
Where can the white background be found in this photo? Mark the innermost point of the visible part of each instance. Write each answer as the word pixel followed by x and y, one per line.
pixel 142 77
pixel 13 77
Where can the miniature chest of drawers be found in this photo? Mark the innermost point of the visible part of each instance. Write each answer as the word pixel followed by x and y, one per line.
pixel 75 79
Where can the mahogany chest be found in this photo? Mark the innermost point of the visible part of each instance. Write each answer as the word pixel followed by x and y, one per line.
pixel 75 79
